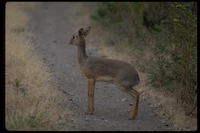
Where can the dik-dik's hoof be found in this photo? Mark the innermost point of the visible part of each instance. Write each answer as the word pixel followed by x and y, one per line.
pixel 132 116
pixel 89 113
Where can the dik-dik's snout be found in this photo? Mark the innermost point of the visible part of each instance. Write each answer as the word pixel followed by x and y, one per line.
pixel 71 42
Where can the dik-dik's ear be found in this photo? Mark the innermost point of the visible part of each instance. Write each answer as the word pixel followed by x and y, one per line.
pixel 87 31
pixel 84 32
pixel 81 32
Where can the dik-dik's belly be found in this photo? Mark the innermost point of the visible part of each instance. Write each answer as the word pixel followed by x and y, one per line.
pixel 104 79
pixel 97 75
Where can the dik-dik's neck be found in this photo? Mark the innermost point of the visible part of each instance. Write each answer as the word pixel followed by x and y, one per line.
pixel 81 54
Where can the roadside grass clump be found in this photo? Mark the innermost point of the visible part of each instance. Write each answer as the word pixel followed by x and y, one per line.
pixel 31 96
pixel 17 83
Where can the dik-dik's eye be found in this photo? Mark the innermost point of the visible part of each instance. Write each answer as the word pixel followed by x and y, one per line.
pixel 74 37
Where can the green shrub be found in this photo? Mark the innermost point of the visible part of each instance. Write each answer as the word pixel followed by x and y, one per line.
pixel 175 55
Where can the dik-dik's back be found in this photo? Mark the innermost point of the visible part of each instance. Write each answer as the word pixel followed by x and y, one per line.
pixel 99 69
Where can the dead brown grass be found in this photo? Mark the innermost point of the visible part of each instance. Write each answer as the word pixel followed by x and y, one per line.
pixel 169 107
pixel 31 98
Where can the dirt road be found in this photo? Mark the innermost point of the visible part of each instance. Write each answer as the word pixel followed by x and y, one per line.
pixel 52 26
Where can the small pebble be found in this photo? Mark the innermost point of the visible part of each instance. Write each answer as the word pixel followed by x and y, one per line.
pixel 123 100
pixel 86 119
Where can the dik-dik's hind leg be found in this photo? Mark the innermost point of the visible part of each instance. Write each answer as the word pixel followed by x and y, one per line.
pixel 135 95
pixel 134 111
pixel 91 84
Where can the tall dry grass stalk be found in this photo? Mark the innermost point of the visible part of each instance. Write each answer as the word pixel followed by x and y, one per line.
pixel 31 99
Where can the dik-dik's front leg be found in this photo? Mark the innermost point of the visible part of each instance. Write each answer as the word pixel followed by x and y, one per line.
pixel 91 84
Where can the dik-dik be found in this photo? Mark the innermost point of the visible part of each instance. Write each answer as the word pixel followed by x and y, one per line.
pixel 98 69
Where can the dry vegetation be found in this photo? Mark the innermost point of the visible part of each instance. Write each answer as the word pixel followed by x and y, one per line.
pixel 31 98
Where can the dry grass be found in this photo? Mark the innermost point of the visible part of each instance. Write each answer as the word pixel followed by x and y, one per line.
pixel 31 96
pixel 169 107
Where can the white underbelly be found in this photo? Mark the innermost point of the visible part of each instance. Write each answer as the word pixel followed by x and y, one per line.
pixel 105 79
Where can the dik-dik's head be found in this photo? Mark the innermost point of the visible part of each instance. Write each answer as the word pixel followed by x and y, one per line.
pixel 79 36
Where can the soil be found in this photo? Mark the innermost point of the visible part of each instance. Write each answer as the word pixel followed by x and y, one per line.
pixel 51 25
